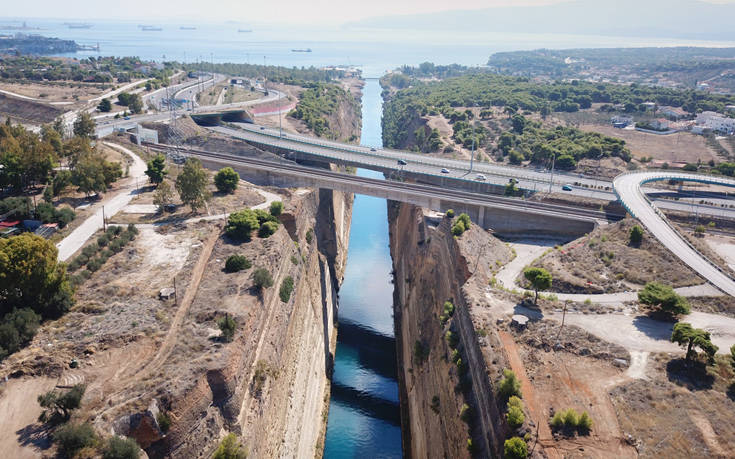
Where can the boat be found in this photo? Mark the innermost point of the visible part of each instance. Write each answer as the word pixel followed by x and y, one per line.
pixel 244 30
pixel 307 50
pixel 150 29
pixel 78 25
pixel 187 28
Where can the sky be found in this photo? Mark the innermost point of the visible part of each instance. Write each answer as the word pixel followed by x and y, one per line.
pixel 304 12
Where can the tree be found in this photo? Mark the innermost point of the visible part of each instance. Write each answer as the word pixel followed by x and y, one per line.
pixel 241 224
pixel 105 105
pixel 539 278
pixel 262 279
pixel 192 184
pixel 236 263
pixel 267 229
pixel 276 208
pixel 84 125
pixel 92 174
pixel 58 406
pixel 136 104
pixel 156 171
pixel 163 195
pixel 687 336
pixel 509 385
pixel 230 448
pixel 32 277
pixel 636 235
pixel 519 123
pixel 226 180
pixel 732 356
pixel 227 326
pixel 515 448
pixel 664 298
pixel 515 416
pixel 70 438
pixel 120 448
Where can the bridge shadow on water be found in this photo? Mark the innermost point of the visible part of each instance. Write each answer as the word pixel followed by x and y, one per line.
pixel 375 352
pixel 368 404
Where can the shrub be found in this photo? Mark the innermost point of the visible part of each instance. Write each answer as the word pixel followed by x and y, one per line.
pixel 636 235
pixel 236 263
pixel 435 404
pixel 262 279
pixel 464 218
pixel 240 225
pixel 226 180
pixel 164 421
pixel 64 216
pixel 227 326
pixel 70 438
pixel 515 417
pixel 267 229
pixel 230 448
pixel 133 230
pixel 90 250
pixel 570 418
pixel 94 265
pixel 515 448
pixel 121 448
pixel 309 235
pixel 447 312
pixel 509 385
pixel 103 240
pixel 286 289
pixel 420 352
pixel 116 246
pixel 515 401
pixel 450 213
pixel 584 423
pixel 465 413
pixel 664 298
pixel 452 339
pixel 556 421
pixel 276 208
pixel 114 230
pixel 458 228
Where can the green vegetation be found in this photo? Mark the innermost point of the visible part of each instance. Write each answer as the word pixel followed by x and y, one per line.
pixel 192 184
pixel 287 75
pixel 286 288
pixel 569 420
pixel 71 438
pixel 164 421
pixel 156 171
pixel 94 256
pixel 163 195
pixel 241 224
pixel 91 173
pixel 447 312
pixel 316 103
pixel 21 208
pixel 237 263
pixel 262 279
pixel 664 298
pixel 230 448
pixel 514 414
pixel 462 224
pixel 732 356
pixel 636 235
pixel 59 406
pixel 276 208
pixel 465 413
pixel 509 385
pixel 133 101
pixel 435 404
pixel 105 105
pixel 687 336
pixel 84 125
pixel 451 339
pixel 120 448
pixel 539 278
pixel 420 352
pixel 226 180
pixel 450 213
pixel 515 448
pixel 267 229
pixel 34 286
pixel 227 326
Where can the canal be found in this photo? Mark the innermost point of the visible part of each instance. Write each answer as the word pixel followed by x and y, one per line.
pixel 364 413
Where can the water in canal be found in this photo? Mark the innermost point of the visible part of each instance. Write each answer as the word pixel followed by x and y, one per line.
pixel 364 413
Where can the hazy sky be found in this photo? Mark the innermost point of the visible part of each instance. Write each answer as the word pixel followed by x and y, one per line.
pixel 248 11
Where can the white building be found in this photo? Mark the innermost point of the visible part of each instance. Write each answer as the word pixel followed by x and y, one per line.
pixel 716 122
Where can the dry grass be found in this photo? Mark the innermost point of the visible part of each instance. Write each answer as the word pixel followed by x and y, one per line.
pixel 604 262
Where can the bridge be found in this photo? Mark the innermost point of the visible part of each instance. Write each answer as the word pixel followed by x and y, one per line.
pixel 628 189
pixel 501 214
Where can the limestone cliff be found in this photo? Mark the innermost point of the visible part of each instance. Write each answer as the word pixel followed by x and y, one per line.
pixel 432 267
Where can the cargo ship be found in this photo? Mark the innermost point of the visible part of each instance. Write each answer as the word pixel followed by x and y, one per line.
pixel 307 50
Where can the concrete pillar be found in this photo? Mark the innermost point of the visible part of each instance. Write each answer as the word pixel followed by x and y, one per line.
pixel 481 216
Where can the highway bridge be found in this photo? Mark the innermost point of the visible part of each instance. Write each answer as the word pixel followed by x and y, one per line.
pixel 628 188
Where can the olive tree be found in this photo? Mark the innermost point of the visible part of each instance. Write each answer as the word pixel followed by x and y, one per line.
pixel 687 336
pixel 539 278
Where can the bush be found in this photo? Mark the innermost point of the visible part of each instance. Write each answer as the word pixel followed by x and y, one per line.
pixel 286 289
pixel 133 230
pixel 464 218
pixel 240 225
pixel 71 438
pixel 90 250
pixel 447 312
pixel 227 326
pixel 103 240
pixel 230 448
pixel 164 421
pixel 509 385
pixel 584 424
pixel 262 279
pixel 267 229
pixel 120 448
pixel 452 339
pixel 664 298
pixel 276 208
pixel 570 420
pixel 236 263
pixel 465 413
pixel 515 417
pixel 94 265
pixel 636 235
pixel 458 228
pixel 114 230
pixel 515 448
pixel 116 246
pixel 226 180
pixel 64 216
pixel 450 213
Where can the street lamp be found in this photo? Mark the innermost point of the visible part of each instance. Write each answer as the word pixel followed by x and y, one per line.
pixel 553 159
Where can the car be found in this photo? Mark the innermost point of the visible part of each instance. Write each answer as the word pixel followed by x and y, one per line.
pixel 402 162
pixel 445 171
pixel 126 118
pixel 567 187
pixel 372 149
pixel 262 128
pixel 480 177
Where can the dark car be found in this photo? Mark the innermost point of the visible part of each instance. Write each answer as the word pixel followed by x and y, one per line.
pixel 402 162
pixel 372 149
pixel 567 187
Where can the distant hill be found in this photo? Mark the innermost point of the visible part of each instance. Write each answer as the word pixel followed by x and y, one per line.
pixel 35 44
pixel 688 19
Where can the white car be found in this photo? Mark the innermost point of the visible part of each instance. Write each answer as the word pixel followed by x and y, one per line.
pixel 445 171
pixel 481 177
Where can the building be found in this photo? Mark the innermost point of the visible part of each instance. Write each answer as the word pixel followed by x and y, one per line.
pixel 621 122
pixel 673 113
pixel 730 108
pixel 716 122
pixel 649 105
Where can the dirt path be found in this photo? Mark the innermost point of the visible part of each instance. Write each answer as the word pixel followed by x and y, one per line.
pixel 545 439
pixel 21 436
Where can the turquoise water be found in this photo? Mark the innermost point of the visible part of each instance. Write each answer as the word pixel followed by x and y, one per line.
pixel 364 413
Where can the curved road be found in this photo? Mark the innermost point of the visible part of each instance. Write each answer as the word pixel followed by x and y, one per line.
pixel 628 189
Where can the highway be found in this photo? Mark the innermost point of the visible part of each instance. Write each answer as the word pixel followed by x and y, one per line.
pixel 628 189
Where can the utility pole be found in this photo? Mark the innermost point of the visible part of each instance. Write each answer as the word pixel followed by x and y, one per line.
pixel 553 159
pixel 104 220
pixel 472 156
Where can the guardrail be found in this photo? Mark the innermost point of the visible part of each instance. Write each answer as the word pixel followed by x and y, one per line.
pixel 668 175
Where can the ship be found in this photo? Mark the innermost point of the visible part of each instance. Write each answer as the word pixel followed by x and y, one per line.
pixel 78 25
pixel 244 30
pixel 307 50
pixel 146 28
pixel 187 28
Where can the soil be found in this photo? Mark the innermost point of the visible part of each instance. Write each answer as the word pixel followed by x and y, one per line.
pixel 61 92
pixel 605 262
pixel 27 111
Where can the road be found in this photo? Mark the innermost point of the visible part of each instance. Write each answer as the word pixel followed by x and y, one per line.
pixel 628 189
pixel 112 205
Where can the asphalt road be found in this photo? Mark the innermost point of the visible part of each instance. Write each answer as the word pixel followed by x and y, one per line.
pixel 628 189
